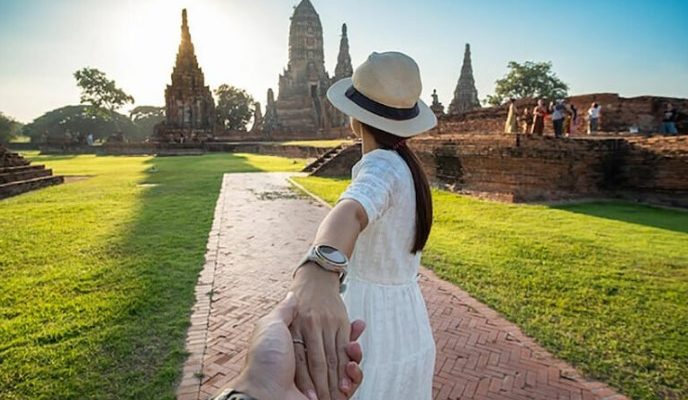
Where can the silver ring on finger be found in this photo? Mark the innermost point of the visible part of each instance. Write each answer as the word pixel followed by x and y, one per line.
pixel 301 342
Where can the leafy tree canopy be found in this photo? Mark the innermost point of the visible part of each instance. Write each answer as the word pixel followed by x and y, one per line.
pixel 234 107
pixel 100 93
pixel 78 121
pixel 145 118
pixel 7 128
pixel 530 79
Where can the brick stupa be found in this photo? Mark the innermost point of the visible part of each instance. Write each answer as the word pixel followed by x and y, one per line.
pixel 465 95
pixel 302 109
pixel 189 104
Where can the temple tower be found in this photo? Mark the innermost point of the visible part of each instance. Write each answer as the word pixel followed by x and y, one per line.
pixel 301 106
pixel 189 104
pixel 465 95
pixel 344 68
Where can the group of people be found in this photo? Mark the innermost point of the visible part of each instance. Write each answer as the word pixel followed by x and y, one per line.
pixel 565 118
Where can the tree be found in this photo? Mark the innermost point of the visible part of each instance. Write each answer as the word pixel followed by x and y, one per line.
pixel 79 122
pixel 234 107
pixel 145 118
pixel 8 128
pixel 530 79
pixel 100 93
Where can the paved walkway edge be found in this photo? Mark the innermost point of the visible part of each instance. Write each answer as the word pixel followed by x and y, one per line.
pixel 196 338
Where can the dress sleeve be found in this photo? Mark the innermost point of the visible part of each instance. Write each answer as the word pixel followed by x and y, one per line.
pixel 373 185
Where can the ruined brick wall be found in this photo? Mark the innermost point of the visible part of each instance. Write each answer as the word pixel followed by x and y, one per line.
pixel 525 169
pixel 618 115
pixel 655 170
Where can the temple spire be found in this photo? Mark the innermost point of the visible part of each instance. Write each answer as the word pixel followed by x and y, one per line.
pixel 465 95
pixel 344 68
pixel 186 34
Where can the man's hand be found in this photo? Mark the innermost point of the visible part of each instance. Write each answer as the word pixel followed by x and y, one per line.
pixel 270 365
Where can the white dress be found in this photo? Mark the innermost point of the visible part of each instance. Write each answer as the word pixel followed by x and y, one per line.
pixel 382 285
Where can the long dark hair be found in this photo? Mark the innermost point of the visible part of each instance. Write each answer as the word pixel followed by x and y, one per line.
pixel 389 141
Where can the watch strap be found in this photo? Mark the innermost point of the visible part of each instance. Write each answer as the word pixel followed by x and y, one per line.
pixel 231 394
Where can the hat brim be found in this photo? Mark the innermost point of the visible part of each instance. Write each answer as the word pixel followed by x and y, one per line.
pixel 425 120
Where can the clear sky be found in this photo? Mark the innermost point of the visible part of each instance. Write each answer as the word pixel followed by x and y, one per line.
pixel 631 47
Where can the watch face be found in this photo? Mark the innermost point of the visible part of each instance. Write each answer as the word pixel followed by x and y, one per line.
pixel 332 255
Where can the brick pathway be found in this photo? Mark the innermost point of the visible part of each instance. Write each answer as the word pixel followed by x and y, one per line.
pixel 260 231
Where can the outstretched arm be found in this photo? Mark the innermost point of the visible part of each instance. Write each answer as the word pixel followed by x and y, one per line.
pixel 321 320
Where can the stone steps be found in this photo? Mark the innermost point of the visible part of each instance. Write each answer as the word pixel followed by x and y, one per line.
pixel 21 168
pixel 18 176
pixel 325 158
pixel 19 187
pixel 28 174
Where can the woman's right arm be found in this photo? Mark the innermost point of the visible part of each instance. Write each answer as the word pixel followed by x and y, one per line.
pixel 321 321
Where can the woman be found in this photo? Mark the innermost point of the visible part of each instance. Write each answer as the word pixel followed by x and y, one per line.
pixel 539 113
pixel 511 125
pixel 382 221
pixel 526 120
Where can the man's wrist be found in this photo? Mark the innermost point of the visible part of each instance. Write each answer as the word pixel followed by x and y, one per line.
pixel 249 384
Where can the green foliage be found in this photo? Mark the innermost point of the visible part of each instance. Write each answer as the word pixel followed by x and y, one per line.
pixel 234 107
pixel 528 80
pixel 601 285
pixel 101 93
pixel 8 128
pixel 97 276
pixel 145 118
pixel 78 122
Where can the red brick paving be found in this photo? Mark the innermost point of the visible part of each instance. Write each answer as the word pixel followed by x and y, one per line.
pixel 261 230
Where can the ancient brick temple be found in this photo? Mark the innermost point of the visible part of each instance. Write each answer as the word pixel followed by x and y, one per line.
pixel 189 104
pixel 302 109
pixel 465 94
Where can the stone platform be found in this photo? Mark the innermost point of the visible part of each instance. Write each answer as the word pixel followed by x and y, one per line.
pixel 18 176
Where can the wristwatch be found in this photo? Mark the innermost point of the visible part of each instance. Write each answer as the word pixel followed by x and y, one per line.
pixel 231 394
pixel 329 259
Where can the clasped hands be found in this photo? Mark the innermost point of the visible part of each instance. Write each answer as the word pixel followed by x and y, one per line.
pixel 271 366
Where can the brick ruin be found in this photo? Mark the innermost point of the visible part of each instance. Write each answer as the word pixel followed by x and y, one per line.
pixel 465 95
pixel 518 168
pixel 17 175
pixel 302 110
pixel 619 114
pixel 189 104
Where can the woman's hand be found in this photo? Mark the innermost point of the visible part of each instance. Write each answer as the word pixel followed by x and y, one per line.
pixel 270 367
pixel 322 324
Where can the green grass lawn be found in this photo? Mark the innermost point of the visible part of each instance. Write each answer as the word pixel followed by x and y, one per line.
pixel 97 276
pixel 316 143
pixel 602 285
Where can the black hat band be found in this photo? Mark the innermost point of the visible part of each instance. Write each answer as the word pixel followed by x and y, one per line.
pixel 397 114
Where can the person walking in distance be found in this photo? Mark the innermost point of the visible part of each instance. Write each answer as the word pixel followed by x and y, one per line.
pixel 594 115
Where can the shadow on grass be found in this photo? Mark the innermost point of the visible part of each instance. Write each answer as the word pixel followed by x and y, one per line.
pixel 159 261
pixel 662 218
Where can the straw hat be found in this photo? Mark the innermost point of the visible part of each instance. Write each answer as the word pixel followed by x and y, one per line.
pixel 384 92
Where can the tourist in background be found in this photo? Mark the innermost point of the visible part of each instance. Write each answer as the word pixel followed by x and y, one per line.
pixel 573 124
pixel 539 114
pixel 381 223
pixel 559 112
pixel 594 115
pixel 526 120
pixel 511 125
pixel 669 120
